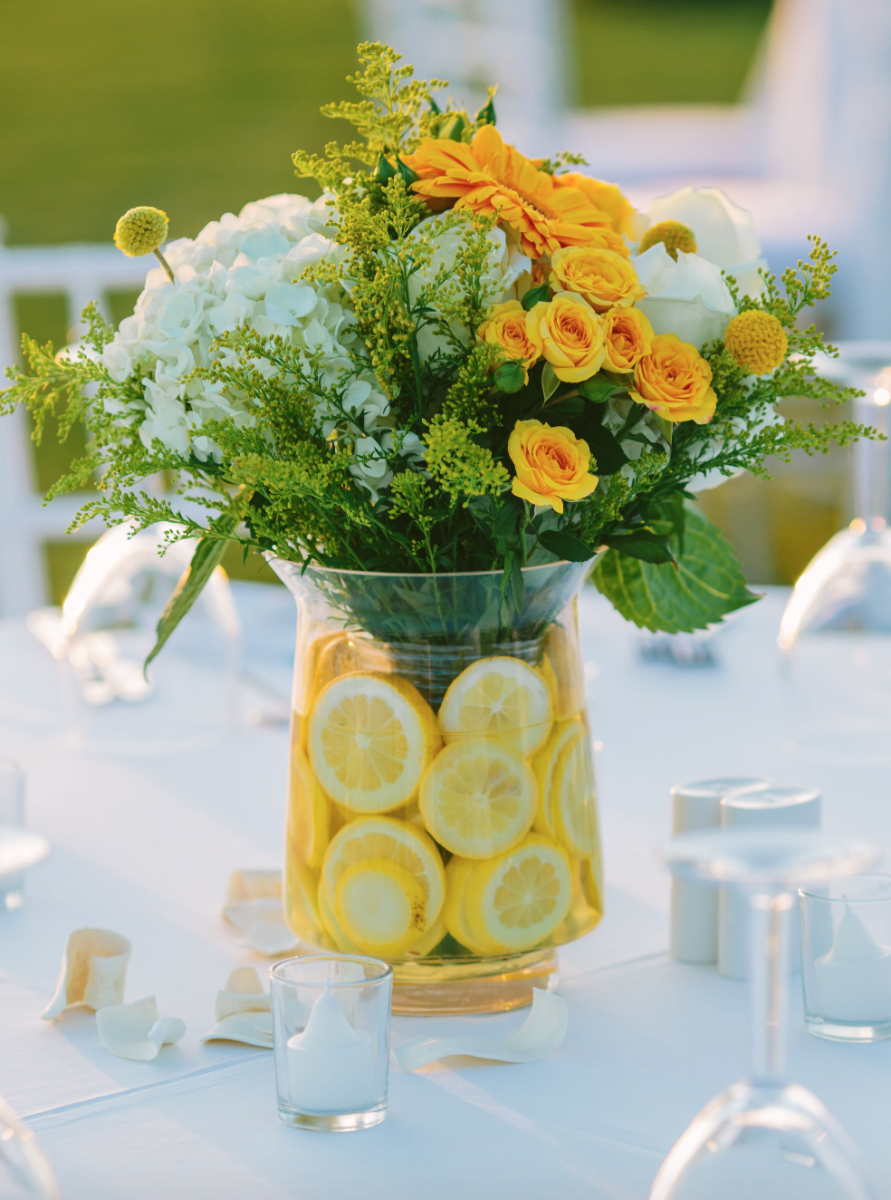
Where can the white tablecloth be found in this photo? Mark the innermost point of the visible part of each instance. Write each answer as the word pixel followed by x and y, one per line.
pixel 146 846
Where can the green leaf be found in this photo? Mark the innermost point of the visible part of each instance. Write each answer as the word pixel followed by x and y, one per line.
pixel 643 544
pixel 517 585
pixel 405 171
pixel 674 510
pixel 549 381
pixel 204 562
pixel 565 545
pixel 453 128
pixel 567 409
pixel 666 428
pixel 535 296
pixel 385 169
pixel 506 521
pixel 608 453
pixel 486 115
pixel 598 390
pixel 705 584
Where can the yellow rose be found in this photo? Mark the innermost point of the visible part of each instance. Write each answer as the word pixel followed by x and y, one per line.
pixel 507 328
pixel 608 239
pixel 675 381
pixel 551 464
pixel 571 336
pixel 629 337
pixel 605 196
pixel 604 278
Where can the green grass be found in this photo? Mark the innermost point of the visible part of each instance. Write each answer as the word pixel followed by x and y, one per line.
pixel 664 51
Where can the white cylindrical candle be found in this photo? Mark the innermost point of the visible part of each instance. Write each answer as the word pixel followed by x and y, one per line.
pixel 854 978
pixel 775 807
pixel 331 1064
pixel 694 906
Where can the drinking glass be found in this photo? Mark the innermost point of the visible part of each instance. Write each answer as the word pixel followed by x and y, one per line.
pixel 331 1031
pixel 846 958
pixel 835 634
pixel 764 1137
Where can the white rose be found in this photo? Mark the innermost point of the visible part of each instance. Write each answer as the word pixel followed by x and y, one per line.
pixel 687 297
pixel 725 233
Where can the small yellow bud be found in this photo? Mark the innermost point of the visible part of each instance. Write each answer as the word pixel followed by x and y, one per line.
pixel 757 341
pixel 673 235
pixel 141 231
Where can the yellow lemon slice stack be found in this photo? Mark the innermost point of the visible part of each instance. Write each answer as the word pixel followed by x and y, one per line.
pixel 308 818
pixel 502 698
pixel 370 738
pixel 573 802
pixel 478 797
pixel 518 899
pixel 382 886
pixel 544 764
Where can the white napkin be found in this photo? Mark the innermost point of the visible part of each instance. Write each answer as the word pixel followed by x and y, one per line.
pixel 540 1034
pixel 136 1031
pixel 94 967
pixel 243 1011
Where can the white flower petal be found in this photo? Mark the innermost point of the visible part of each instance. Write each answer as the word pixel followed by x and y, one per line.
pixel 94 968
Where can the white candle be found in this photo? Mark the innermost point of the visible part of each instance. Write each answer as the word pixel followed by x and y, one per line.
pixel 331 1064
pixel 854 978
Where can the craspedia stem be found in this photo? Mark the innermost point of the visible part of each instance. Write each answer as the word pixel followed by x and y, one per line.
pixel 165 264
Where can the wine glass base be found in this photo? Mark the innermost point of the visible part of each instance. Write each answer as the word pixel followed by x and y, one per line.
pixel 847 1031
pixel 773 1143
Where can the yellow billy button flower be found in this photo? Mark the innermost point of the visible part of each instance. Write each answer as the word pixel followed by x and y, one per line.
pixel 604 278
pixel 673 235
pixel 143 231
pixel 571 335
pixel 757 341
pixel 629 337
pixel 551 464
pixel 674 380
pixel 507 328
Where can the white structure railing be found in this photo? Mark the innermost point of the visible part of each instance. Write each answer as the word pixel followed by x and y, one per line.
pixel 81 274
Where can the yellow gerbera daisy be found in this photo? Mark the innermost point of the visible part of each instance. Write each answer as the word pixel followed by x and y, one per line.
pixel 495 179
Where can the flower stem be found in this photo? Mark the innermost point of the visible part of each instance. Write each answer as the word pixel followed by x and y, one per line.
pixel 164 263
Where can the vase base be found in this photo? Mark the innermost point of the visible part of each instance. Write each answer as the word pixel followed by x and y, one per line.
pixel 473 986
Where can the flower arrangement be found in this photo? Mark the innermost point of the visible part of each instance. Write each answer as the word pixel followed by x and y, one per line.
pixel 456 359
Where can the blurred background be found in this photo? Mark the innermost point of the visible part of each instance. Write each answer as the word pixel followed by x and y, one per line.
pixel 196 105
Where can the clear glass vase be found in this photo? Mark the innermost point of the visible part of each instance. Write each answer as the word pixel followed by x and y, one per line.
pixel 442 812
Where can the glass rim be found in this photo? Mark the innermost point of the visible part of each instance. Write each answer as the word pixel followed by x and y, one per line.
pixel 883 875
pixel 385 970
pixel 315 568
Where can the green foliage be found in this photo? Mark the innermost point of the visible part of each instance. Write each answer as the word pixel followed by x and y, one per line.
pixel 699 589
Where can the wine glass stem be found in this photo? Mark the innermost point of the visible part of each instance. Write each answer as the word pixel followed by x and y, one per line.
pixel 769 982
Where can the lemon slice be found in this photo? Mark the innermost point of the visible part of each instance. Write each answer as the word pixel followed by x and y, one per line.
pixel 386 838
pixel 370 738
pixel 592 882
pixel 428 941
pixel 380 906
pixel 478 797
pixel 332 926
pixel 499 697
pixel 457 874
pixel 519 899
pixel 543 765
pixel 564 671
pixel 308 815
pixel 301 901
pixel 573 798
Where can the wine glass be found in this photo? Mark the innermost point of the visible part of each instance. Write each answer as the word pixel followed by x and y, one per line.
pixel 24 1170
pixel 835 634
pixel 764 1137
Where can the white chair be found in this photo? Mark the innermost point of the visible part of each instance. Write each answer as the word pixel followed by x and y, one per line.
pixel 81 273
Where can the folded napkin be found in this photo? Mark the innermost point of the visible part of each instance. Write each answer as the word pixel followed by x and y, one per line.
pixel 254 907
pixel 540 1034
pixel 243 1011
pixel 94 967
pixel 136 1030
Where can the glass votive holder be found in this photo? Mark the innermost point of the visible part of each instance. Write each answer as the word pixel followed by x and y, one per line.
pixel 12 815
pixel 846 958
pixel 331 1029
